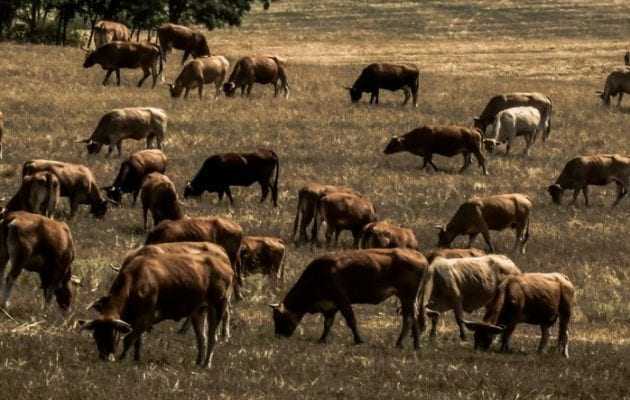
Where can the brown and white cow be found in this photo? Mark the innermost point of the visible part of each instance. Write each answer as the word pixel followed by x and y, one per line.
pixel 597 170
pixel 536 299
pixel 39 193
pixel 133 170
pixel 114 56
pixel 151 289
pixel 483 214
pixel 448 141
pixel 158 195
pixel 384 235
pixel 257 69
pixel 389 77
pixel 343 211
pixel 199 72
pixel 265 255
pixel 334 282
pixel 35 243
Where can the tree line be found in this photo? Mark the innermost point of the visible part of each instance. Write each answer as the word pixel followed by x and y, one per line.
pixel 57 21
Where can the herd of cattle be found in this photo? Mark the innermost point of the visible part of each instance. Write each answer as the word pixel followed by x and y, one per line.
pixel 188 268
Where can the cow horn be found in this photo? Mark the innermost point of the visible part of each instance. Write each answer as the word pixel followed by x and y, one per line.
pixel 275 306
pixel 116 269
pixel 122 326
pixel 440 227
pixel 347 87
pixel 88 140
pixel 599 92
pixel 86 325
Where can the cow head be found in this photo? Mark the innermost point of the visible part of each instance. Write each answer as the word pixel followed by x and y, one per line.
pixel 229 89
pixel 98 208
pixel 478 124
pixel 395 145
pixel 355 94
pixel 284 320
pixel 484 333
pixel 90 59
pixel 605 98
pixel 175 90
pixel 192 191
pixel 114 193
pixel 556 192
pixel 445 238
pixel 106 333
pixel 63 295
pixel 490 145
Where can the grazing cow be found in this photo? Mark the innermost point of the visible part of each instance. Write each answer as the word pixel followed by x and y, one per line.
pixel 109 31
pixel 116 55
pixel 76 182
pixel 135 123
pixel 617 83
pixel 159 195
pixel 182 38
pixel 446 141
pixel 308 199
pixel 37 244
pixel 343 211
pixel 389 77
pixel 384 235
pixel 133 170
pixel 39 193
pixel 483 214
pixel 221 171
pixel 334 282
pixel 1 132
pixel 461 284
pixel 598 170
pixel 536 299
pixel 263 255
pixel 198 72
pixel 189 248
pixel 513 122
pixel 151 289
pixel 508 100
pixel 257 69
pixel 454 253
pixel 224 232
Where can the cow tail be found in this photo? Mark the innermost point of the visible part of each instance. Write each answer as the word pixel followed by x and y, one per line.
pixel 548 129
pixel 275 183
pixel 282 262
pixel 296 221
pixel 526 234
pixel 425 289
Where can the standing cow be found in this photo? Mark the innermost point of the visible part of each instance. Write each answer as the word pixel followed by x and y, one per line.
pixel 343 211
pixel 39 193
pixel 265 255
pixel 257 69
pixel 513 122
pixel 221 171
pixel 198 72
pixel 384 235
pixel 182 38
pixel 389 77
pixel 158 195
pixel 110 31
pixel 128 123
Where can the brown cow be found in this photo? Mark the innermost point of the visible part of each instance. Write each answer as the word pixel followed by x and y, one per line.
pixel 483 214
pixel 446 141
pixel 182 38
pixel 158 194
pixel 383 234
pixel 617 83
pixel 37 244
pixel 264 255
pixel 508 100
pixel 222 231
pixel 308 200
pixel 77 183
pixel 389 77
pixel 110 31
pixel 343 211
pixel 257 69
pixel 116 55
pixel 39 193
pixel 334 282
pixel 454 253
pixel 151 289
pixel 133 170
pixel 199 72
pixel 537 299
pixel 598 170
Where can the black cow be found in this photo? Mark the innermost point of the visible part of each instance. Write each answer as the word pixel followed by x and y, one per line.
pixel 387 76
pixel 221 171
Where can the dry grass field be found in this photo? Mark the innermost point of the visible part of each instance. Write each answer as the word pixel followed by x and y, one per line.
pixel 467 52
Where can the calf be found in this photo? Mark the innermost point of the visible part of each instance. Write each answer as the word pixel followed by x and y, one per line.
pixel 454 253
pixel 598 170
pixel 135 123
pixel 308 200
pixel 133 170
pixel 617 83
pixel 159 195
pixel 114 56
pixel 461 284
pixel 508 100
pixel 198 72
pixel 443 140
pixel 221 231
pixel 182 38
pixel 343 211
pixel 257 69
pixel 221 171
pixel 483 214
pixel 536 299
pixel 389 77
pixel 39 193
pixel 383 234
pixel 110 31
pixel 37 244
pixel 513 122
pixel 334 282
pixel 264 255
pixel 151 289
pixel 76 182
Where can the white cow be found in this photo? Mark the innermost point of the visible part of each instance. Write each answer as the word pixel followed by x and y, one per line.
pixel 513 122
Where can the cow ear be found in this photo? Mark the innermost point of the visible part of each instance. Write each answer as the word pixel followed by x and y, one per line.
pixel 275 306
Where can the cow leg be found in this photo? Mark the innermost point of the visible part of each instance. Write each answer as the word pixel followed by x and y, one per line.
pixel 337 232
pixel 471 239
pixel 544 338
pixel 119 148
pixel 129 340
pixel 264 191
pixel 145 211
pixel 225 324
pixel 134 198
pixel 414 94
pixel 459 318
pixel 249 89
pixel 185 326
pixel 508 146
pixel 563 336
pixel 229 195
pixel 481 161
pixel 197 318
pixel 372 97
pixel 107 75
pixel 329 320
pixel 110 148
pixel 186 93
pixel 621 192
pixel 376 96
pixel 200 90
pixel 4 259
pixel 408 319
pixel 118 77
pixel 429 159
pixel 214 317
pixel 486 237
pixel 467 162
pixel 74 206
pixel 185 57
pixel 217 90
pixel 576 192
pixel 435 317
pixel 506 336
pixel 620 98
pixel 17 260
pixel 275 89
pixel 407 96
pixel 585 193
pixel 345 307
pixel 356 236
pixel 144 77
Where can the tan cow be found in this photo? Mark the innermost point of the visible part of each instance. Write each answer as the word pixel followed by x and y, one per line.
pixel 257 69
pixel 110 31
pixel 383 234
pixel 199 72
pixel 158 195
pixel 454 253
pixel 265 255
pixel 343 211
pixel 39 193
